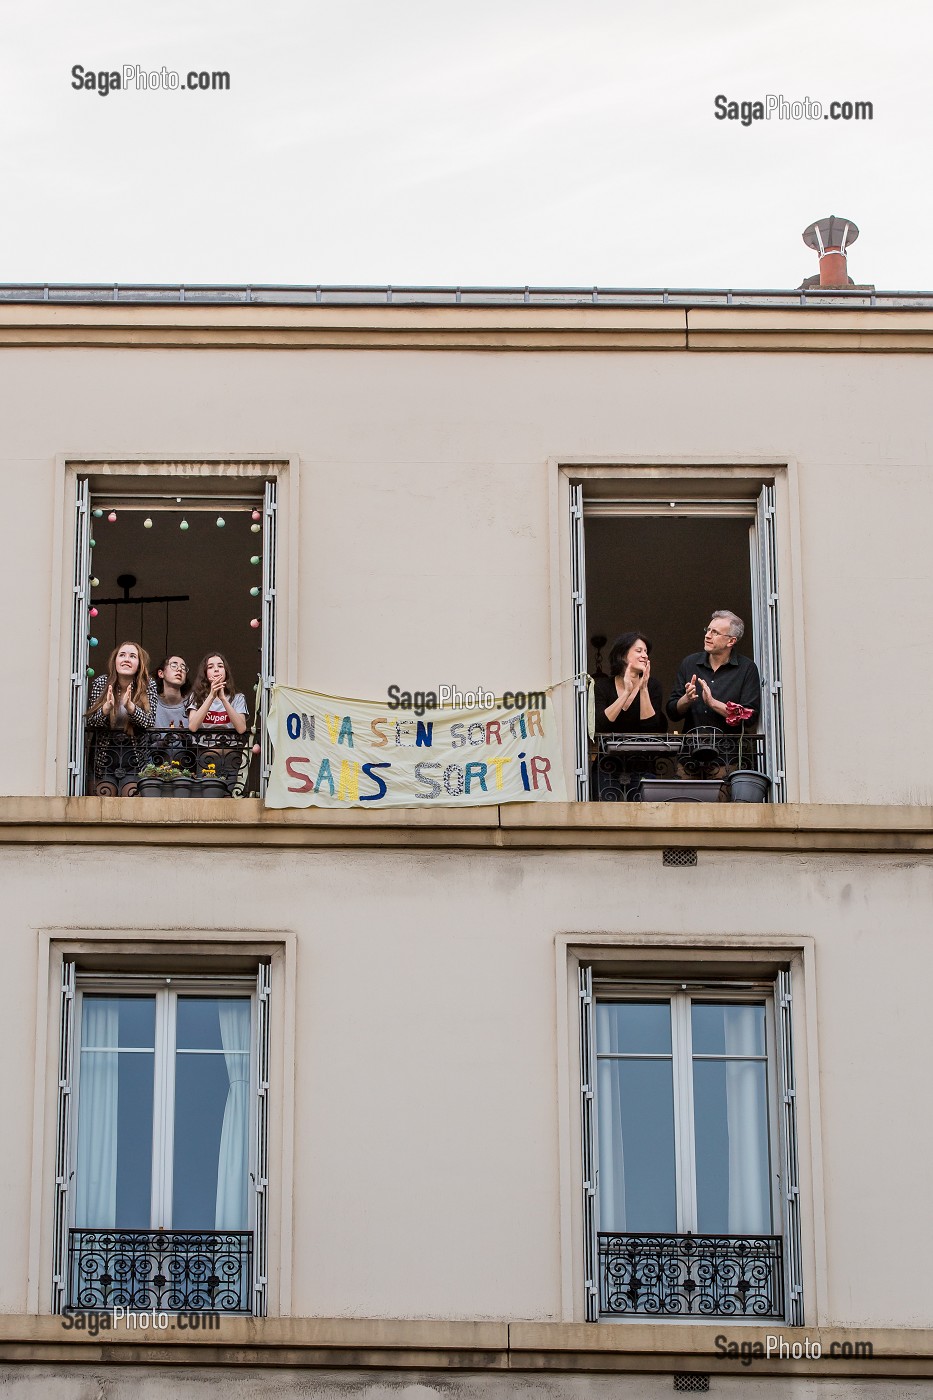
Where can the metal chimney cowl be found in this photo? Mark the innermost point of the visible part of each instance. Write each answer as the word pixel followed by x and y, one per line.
pixel 830 238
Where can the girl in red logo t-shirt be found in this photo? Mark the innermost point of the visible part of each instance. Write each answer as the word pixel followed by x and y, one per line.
pixel 215 702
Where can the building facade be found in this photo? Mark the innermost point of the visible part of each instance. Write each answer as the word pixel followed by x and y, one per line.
pixel 589 1098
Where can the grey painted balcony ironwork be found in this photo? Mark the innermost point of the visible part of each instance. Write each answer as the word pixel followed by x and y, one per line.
pixel 114 758
pixel 691 1275
pixel 620 760
pixel 169 1270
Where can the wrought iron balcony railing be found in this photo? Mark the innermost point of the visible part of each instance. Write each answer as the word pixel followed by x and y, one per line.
pixel 691 1275
pixel 114 757
pixel 622 759
pixel 169 1270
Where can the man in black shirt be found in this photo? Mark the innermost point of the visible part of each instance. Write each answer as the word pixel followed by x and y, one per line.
pixel 708 680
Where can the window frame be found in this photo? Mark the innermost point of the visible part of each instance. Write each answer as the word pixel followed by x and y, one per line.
pixel 765 491
pixel 782 1120
pixel 166 991
pixel 74 985
pixel 275 480
pixel 681 996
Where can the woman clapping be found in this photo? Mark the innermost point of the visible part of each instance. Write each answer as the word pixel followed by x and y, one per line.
pixel 628 701
pixel 122 702
pixel 125 698
pixel 215 702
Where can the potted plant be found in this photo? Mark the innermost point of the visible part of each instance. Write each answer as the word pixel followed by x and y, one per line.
pixel 153 778
pixel 210 783
pixel 745 784
pixel 180 782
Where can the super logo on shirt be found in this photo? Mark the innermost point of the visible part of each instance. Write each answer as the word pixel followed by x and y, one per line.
pixel 217 718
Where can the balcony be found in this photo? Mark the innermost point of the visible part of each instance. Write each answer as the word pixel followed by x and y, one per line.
pixel 166 1270
pixel 691 767
pixel 691 1276
pixel 205 764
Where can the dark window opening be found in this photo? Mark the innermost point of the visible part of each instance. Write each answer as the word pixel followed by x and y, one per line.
pixel 183 576
pixel 204 574
pixel 664 578
pixel 639 569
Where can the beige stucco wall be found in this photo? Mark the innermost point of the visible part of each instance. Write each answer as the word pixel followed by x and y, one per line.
pixel 424 1141
pixel 50 1382
pixel 431 544
pixel 425 1148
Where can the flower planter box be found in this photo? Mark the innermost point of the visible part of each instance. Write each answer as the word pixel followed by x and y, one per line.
pixel 676 790
pixel 211 787
pixel 150 787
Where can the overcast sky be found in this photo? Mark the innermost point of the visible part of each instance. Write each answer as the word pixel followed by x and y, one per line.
pixel 496 141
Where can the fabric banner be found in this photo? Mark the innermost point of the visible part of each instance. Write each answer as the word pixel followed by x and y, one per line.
pixel 330 752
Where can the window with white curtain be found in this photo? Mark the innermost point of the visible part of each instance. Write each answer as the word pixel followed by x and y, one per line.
pixel 161 1182
pixel 163 1110
pixel 690 1193
pixel 684 1132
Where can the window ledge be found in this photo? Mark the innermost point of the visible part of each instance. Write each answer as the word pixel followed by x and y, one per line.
pixel 517 826
pixel 397 1344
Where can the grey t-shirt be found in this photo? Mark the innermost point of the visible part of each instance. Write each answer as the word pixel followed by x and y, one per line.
pixel 216 716
pixel 171 716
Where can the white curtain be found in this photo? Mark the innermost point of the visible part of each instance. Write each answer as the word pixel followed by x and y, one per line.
pixel 96 1204
pixel 232 1165
pixel 609 1099
pixel 749 1170
pixel 611 1147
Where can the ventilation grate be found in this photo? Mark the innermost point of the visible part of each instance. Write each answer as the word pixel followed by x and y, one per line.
pixel 691 1382
pixel 679 855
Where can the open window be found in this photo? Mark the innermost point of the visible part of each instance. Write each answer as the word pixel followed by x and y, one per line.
pixel 182 565
pixel 162 1142
pixel 691 1198
pixel 659 557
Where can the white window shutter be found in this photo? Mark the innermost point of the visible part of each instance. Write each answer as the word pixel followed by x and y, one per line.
pixel 769 643
pixel 63 1139
pixel 793 1268
pixel 261 1180
pixel 81 602
pixel 588 1144
pixel 268 627
pixel 580 656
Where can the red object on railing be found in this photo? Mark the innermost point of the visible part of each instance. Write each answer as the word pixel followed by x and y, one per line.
pixel 736 713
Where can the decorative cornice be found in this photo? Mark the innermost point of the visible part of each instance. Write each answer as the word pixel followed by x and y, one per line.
pixel 189 325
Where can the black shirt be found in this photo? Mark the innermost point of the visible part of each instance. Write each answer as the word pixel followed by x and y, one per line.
pixel 737 679
pixel 628 721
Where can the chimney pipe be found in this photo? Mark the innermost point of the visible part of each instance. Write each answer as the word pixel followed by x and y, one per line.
pixel 830 238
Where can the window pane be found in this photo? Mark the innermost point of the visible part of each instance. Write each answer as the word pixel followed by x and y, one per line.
pixel 732 1158
pixel 198 1021
pixel 211 1151
pixel 727 1028
pixel 115 1096
pixel 636 1145
pixel 633 1027
pixel 135 1021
